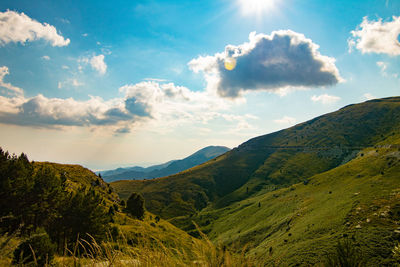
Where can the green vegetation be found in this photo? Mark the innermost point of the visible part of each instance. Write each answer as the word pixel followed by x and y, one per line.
pixel 65 215
pixel 347 254
pixel 135 206
pixel 36 250
pixel 271 161
pixel 36 196
pixel 325 192
pixel 294 193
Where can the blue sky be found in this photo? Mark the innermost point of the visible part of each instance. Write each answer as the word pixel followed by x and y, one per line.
pixel 116 83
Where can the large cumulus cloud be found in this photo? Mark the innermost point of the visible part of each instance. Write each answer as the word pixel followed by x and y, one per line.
pixel 18 27
pixel 159 105
pixel 40 111
pixel 268 62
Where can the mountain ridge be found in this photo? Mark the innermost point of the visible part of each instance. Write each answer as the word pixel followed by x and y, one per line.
pixel 165 169
pixel 294 196
pixel 274 160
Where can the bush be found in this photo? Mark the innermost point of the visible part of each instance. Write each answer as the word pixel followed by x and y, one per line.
pixel 37 250
pixel 135 206
pixel 347 254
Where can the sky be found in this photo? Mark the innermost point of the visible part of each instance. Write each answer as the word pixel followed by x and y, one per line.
pixel 107 84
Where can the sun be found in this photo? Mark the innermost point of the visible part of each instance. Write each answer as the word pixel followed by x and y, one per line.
pixel 230 63
pixel 251 7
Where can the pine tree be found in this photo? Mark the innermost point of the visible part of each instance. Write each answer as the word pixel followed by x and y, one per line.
pixel 135 205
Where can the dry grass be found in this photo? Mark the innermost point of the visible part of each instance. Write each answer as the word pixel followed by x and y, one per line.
pixel 152 252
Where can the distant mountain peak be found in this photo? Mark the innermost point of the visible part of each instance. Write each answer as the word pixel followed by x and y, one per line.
pixel 167 168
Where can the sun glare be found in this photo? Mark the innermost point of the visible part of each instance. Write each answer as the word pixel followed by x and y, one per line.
pixel 230 63
pixel 251 7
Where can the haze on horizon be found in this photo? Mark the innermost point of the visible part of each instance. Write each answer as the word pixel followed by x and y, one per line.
pixel 108 84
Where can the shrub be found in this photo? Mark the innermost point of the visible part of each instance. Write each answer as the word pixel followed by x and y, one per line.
pixel 37 250
pixel 135 206
pixel 347 254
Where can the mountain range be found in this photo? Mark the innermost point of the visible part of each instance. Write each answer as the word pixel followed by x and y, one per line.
pixel 293 194
pixel 165 169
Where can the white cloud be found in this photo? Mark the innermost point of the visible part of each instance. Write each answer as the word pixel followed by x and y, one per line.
pixel 3 72
pixel 84 34
pixel 46 57
pixel 325 99
pixel 97 63
pixel 64 67
pixel 267 62
pixel 76 83
pixel 72 82
pixel 377 37
pixel 383 66
pixel 40 111
pixel 18 27
pixel 166 101
pixel 285 120
pixel 159 106
pixel 369 96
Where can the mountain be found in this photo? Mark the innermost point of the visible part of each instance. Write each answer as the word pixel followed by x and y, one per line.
pixel 271 161
pixel 165 169
pixel 290 196
pixel 300 224
pixel 138 169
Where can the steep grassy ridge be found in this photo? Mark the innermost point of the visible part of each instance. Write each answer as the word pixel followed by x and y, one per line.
pixel 272 161
pixel 301 223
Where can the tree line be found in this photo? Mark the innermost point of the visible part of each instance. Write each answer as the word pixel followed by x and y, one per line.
pixel 33 198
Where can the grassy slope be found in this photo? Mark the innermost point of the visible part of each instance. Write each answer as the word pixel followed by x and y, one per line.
pixel 271 161
pixel 303 222
pixel 147 234
pixel 78 176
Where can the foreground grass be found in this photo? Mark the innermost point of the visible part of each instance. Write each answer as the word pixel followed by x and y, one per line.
pixel 133 242
pixel 153 253
pixel 147 252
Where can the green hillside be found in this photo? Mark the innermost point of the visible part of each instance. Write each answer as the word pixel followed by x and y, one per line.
pixel 300 224
pixel 320 191
pixel 78 176
pixel 78 218
pixel 272 161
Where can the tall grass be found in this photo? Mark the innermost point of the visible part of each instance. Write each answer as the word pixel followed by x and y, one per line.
pixel 152 252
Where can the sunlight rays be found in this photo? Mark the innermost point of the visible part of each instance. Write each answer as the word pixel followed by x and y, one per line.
pixel 256 7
